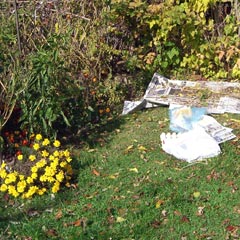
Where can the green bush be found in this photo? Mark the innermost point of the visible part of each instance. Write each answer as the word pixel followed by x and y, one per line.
pixel 177 37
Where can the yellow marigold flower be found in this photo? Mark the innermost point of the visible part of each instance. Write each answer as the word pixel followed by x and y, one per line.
pixel 45 142
pixel 66 153
pixel 56 153
pixel 54 165
pixel 21 186
pixel 32 190
pixel 34 176
pixel 34 169
pixel 3 165
pixel 41 191
pixel 63 164
pixel 61 154
pixel 50 179
pixel 38 137
pixel 15 194
pixel 43 178
pixel 12 191
pixel 3 173
pixel 20 157
pixel 45 153
pixel 36 146
pixel 60 176
pixel 69 159
pixel 49 171
pixel 29 180
pixel 32 157
pixel 3 188
pixel 11 188
pixel 56 143
pixel 41 163
pixel 51 157
pixel 21 177
pixel 11 177
pixel 55 161
pixel 56 187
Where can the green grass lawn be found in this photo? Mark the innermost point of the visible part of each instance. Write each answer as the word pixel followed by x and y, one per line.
pixel 126 187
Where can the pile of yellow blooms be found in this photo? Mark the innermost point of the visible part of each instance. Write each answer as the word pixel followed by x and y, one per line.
pixel 49 169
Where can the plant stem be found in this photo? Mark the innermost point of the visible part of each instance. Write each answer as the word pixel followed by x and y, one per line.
pixel 17 26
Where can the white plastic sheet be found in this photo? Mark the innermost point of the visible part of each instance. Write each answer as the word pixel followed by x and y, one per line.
pixel 190 146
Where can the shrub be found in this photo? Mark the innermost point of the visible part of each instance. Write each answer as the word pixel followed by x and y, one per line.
pixel 180 37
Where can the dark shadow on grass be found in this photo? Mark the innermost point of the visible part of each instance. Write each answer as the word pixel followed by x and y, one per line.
pixel 94 134
pixel 18 212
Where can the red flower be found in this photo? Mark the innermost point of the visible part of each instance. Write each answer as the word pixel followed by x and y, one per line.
pixel 24 142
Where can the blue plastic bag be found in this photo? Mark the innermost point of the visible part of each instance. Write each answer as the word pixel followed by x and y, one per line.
pixel 182 118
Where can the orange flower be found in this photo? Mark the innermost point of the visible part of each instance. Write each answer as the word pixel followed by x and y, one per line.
pixel 100 111
pixel 107 110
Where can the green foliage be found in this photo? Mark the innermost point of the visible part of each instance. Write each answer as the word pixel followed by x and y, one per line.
pixel 65 64
pixel 177 37
pixel 7 86
pixel 48 88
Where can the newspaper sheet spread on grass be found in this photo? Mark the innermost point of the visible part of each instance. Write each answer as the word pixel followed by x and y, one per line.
pixel 217 97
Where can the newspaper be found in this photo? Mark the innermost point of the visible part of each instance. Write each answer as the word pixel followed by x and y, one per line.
pixel 215 129
pixel 217 97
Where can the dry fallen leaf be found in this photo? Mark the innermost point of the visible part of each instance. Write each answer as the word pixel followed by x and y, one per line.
pixel 164 213
pixel 59 214
pixel 185 219
pixel 113 176
pixel 87 207
pixel 133 170
pixel 95 172
pixel 159 203
pixel 110 220
pixel 142 148
pixel 82 222
pixel 128 149
pixel 156 224
pixel 51 233
pixel 236 209
pixel 213 175
pixel 196 194
pixel 200 211
pixel 177 213
pixel 78 223
pixel 231 228
pixel 32 212
pixel 120 219
pixel 91 150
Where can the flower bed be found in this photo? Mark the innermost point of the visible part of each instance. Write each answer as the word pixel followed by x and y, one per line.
pixel 42 167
